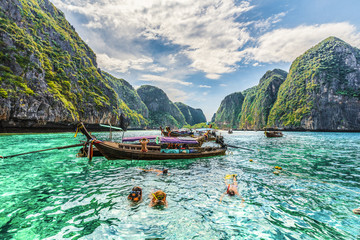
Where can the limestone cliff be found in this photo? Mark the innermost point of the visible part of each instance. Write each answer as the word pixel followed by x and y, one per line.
pixel 49 75
pixel 227 114
pixel 162 112
pixel 259 100
pixel 322 90
pixel 192 115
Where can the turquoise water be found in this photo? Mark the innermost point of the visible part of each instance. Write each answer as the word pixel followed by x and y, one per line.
pixel 55 195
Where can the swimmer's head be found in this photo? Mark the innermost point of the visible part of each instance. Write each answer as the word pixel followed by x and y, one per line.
pixel 135 194
pixel 165 171
pixel 159 197
pixel 231 192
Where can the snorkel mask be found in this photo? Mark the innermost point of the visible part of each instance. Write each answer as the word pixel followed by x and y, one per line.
pixel 160 198
pixel 135 194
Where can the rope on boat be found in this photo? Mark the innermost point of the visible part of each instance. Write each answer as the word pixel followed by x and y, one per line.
pixel 77 130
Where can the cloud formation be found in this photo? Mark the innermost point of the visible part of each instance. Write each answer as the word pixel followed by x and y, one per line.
pixel 161 79
pixel 206 31
pixel 123 65
pixel 285 44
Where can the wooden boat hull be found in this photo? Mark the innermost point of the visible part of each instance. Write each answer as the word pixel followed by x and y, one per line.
pixel 273 134
pixel 175 134
pixel 113 151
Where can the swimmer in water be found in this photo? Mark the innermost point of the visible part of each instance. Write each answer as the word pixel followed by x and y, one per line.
pixel 158 198
pixel 165 171
pixel 231 189
pixel 356 211
pixel 135 194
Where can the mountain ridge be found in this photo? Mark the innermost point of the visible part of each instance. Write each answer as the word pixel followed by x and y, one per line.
pixel 321 92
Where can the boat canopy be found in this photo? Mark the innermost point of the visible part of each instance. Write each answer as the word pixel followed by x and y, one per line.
pixel 163 139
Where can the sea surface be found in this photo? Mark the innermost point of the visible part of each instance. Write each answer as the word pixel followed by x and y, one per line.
pixel 56 195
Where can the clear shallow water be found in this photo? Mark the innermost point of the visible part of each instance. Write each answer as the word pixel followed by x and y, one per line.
pixel 54 195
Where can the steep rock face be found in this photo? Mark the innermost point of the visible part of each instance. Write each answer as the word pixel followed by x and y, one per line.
pixel 48 74
pixel 192 115
pixel 128 94
pixel 162 112
pixel 322 90
pixel 259 100
pixel 229 110
pixel 213 117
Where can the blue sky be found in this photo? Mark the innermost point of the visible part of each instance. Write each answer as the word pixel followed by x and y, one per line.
pixel 200 51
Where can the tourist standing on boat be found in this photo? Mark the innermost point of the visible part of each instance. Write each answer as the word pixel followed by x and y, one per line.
pixel 158 198
pixel 135 194
pixel 144 142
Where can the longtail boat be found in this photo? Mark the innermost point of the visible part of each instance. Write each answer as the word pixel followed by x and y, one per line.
pixel 114 150
pixel 272 134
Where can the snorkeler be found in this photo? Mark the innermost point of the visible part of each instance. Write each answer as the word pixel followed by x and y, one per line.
pixel 144 142
pixel 356 211
pixel 135 194
pixel 158 198
pixel 231 189
pixel 165 171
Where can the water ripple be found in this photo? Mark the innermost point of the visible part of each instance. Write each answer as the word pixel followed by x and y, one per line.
pixel 54 195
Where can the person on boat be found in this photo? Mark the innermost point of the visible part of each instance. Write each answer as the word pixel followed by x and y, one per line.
pixel 144 142
pixel 168 131
pixel 185 146
pixel 165 171
pixel 135 194
pixel 162 131
pixel 231 189
pixel 207 135
pixel 158 198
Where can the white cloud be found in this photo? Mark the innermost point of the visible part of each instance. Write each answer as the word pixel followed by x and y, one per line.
pixel 263 25
pixel 223 85
pixel 204 86
pixel 124 65
pixel 206 31
pixel 177 95
pixel 161 79
pixel 288 43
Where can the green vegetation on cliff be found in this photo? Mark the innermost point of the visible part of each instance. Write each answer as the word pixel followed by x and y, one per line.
pixel 259 100
pixel 321 92
pixel 326 67
pixel 42 57
pixel 192 116
pixel 162 112
pixel 229 110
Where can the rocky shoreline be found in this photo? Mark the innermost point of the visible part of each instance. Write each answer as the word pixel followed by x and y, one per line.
pixel 30 127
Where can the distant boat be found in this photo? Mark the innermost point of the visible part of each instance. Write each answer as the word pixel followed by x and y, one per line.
pixel 271 134
pixel 230 131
